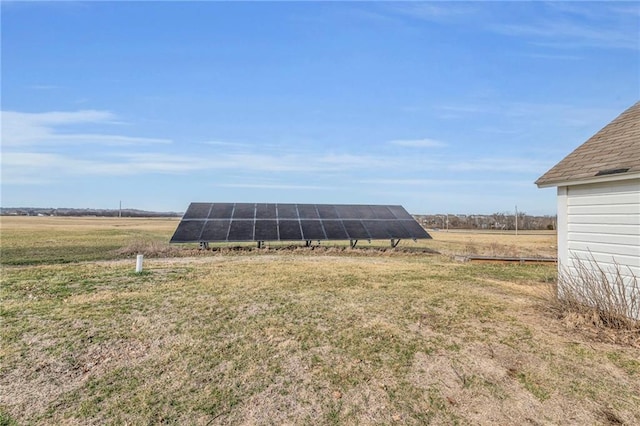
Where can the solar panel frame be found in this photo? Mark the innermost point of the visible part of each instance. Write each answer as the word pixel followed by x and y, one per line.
pixel 241 222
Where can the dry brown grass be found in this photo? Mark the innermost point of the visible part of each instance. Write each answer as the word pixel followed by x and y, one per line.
pixel 290 337
pixel 495 243
pixel 600 296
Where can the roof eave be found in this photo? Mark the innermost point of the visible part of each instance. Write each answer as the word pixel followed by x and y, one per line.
pixel 595 179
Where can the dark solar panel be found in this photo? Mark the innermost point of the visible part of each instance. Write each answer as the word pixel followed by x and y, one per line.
pixel 215 230
pixel 287 211
pixel 266 211
pixel 334 230
pixel 241 230
pixel 289 230
pixel 266 230
pixel 346 212
pixel 415 229
pixel 365 212
pixel 308 211
pixel 221 211
pixel 399 212
pixel 188 230
pixel 197 211
pixel 396 229
pixel 382 212
pixel 377 229
pixel 312 230
pixel 327 211
pixel 355 230
pixel 209 222
pixel 244 211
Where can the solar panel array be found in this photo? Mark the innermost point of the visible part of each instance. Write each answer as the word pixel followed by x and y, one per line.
pixel 237 222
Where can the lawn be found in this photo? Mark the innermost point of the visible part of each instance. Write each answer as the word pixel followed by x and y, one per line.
pixel 293 336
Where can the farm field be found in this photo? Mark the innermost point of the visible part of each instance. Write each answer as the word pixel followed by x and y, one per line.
pixel 294 335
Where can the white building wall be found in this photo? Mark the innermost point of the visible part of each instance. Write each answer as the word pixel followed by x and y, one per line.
pixel 600 221
pixel 603 221
pixel 563 253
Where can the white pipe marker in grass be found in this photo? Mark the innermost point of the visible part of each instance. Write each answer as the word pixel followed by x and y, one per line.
pixel 139 263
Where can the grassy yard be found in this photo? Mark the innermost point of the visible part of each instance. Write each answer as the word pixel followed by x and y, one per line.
pixel 293 336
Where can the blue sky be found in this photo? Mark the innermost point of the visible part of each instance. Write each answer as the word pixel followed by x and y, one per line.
pixel 442 107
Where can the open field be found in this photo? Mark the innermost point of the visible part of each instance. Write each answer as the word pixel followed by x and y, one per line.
pixel 38 240
pixel 299 336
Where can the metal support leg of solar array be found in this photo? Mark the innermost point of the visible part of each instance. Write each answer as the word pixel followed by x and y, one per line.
pixel 260 244
pixel 352 243
pixel 204 245
pixel 394 242
pixel 307 243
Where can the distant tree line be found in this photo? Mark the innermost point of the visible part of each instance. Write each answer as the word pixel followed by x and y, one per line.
pixel 501 221
pixel 36 211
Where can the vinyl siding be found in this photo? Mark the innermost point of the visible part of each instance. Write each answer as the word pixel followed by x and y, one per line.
pixel 603 221
pixel 603 224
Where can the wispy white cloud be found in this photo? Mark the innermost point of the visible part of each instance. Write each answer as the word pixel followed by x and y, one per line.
pixel 612 10
pixel 418 143
pixel 29 129
pixel 552 24
pixel 435 11
pixel 530 113
pixel 22 167
pixel 226 144
pixel 562 33
pixel 337 162
pixel 446 182
pixel 38 144
pixel 551 56
pixel 499 130
pixel 30 167
pixel 34 147
pixel 274 186
pixel 502 165
pixel 43 87
pixel 569 25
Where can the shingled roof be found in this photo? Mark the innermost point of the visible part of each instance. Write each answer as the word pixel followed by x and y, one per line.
pixel 614 150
